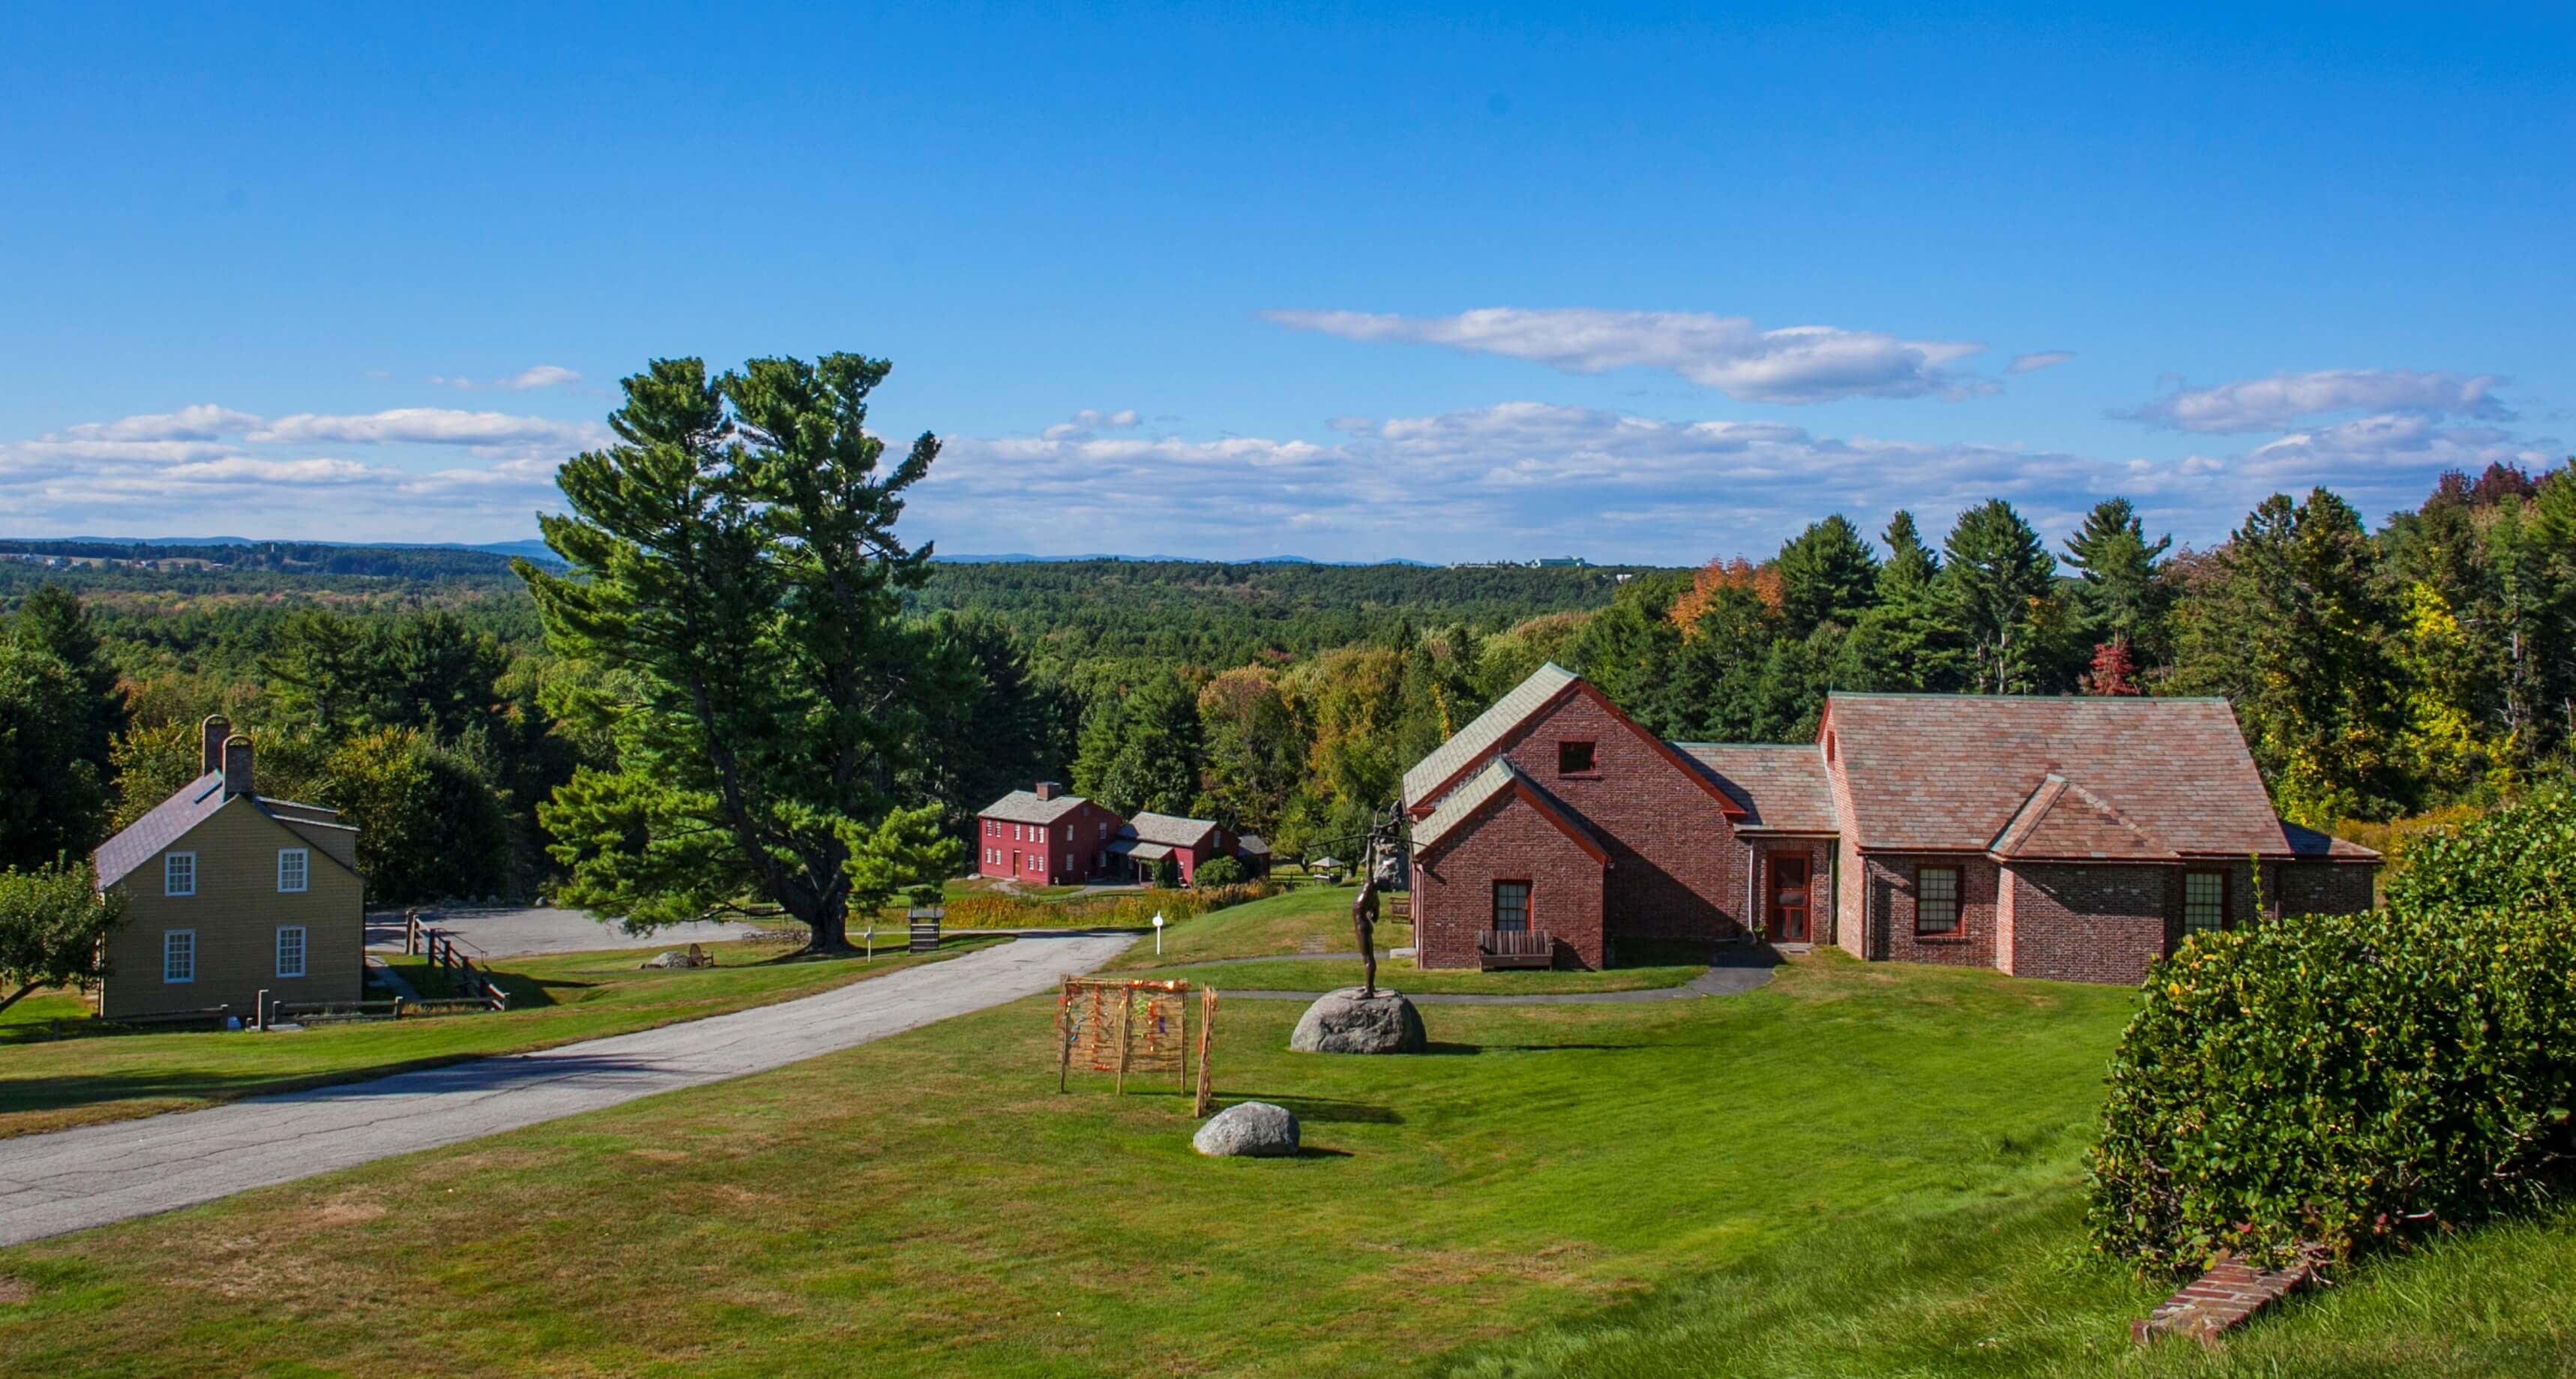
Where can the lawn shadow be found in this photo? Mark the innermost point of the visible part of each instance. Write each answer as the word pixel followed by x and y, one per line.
pixel 1323 1110
pixel 1317 1151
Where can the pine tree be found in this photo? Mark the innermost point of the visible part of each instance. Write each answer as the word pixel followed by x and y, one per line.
pixel 1828 574
pixel 1904 642
pixel 2293 626
pixel 53 620
pixel 736 573
pixel 1996 594
pixel 2120 593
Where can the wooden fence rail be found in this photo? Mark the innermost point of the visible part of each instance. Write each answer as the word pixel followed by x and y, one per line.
pixel 441 948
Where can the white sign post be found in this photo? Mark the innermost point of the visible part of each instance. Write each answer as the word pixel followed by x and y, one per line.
pixel 1158 933
pixel 871 933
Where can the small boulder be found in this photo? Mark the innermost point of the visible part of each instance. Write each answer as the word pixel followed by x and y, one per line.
pixel 1347 1022
pixel 1255 1129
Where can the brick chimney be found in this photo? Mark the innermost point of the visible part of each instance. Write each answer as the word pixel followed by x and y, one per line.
pixel 211 735
pixel 1048 789
pixel 236 766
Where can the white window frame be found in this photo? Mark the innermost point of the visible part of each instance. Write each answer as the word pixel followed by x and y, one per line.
pixel 1068 833
pixel 300 945
pixel 171 947
pixel 303 870
pixel 170 873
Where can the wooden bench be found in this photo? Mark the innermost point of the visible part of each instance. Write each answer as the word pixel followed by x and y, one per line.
pixel 1498 950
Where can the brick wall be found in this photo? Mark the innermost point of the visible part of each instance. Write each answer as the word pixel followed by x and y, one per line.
pixel 2325 888
pixel 1887 880
pixel 1453 886
pixel 1677 869
pixel 1851 900
pixel 2078 923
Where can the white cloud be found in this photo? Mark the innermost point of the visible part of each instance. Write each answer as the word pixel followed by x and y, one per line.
pixel 2269 404
pixel 429 426
pixel 1090 420
pixel 2043 359
pixel 199 423
pixel 542 376
pixel 1789 365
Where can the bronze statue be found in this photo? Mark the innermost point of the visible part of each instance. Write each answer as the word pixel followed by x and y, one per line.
pixel 1364 922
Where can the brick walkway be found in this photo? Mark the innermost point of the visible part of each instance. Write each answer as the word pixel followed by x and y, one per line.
pixel 2220 1300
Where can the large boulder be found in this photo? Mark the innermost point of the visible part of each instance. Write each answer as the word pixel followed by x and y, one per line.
pixel 1347 1022
pixel 1255 1129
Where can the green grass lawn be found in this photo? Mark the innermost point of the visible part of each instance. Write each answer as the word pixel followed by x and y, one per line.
pixel 48 1084
pixel 1853 1171
pixel 1399 974
pixel 1264 928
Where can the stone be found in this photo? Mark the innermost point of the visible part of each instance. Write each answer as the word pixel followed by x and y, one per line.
pixel 1346 1022
pixel 1255 1129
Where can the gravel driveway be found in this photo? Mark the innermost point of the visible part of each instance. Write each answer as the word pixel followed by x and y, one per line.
pixel 74 1179
pixel 506 933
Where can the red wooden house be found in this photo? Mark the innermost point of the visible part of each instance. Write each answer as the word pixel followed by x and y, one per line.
pixel 1045 837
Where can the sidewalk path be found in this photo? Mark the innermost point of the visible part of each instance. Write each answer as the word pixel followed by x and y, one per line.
pixel 75 1179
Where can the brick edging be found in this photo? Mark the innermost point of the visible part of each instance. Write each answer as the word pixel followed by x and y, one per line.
pixel 2226 1296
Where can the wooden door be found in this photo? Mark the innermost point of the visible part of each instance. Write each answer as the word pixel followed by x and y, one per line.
pixel 1788 898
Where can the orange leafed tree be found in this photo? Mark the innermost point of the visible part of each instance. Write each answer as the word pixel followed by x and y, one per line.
pixel 1719 576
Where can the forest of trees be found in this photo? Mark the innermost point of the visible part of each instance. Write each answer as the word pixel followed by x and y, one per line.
pixel 2377 673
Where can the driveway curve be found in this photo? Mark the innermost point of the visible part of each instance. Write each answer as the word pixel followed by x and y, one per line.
pixel 509 932
pixel 75 1179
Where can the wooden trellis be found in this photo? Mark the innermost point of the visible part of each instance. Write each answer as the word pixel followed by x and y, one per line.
pixel 1121 1026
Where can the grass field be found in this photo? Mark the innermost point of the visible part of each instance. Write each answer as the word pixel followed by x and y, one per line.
pixel 1264 928
pixel 48 1084
pixel 1851 1171
pixel 1399 974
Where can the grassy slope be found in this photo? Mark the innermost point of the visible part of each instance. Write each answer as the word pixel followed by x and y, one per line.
pixel 1265 928
pixel 1851 1171
pixel 1399 974
pixel 50 1084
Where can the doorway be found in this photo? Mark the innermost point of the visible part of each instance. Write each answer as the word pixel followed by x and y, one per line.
pixel 1788 905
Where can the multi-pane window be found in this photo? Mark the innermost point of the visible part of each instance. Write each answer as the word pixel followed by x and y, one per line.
pixel 292 866
pixel 1068 833
pixel 1511 907
pixel 178 955
pixel 179 874
pixel 1936 900
pixel 1573 758
pixel 290 950
pixel 2204 901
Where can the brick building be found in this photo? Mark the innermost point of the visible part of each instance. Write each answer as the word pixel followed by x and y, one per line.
pixel 2066 838
pixel 1045 837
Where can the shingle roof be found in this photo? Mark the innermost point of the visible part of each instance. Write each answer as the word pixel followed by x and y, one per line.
pixel 2064 820
pixel 169 821
pixel 1252 845
pixel 192 804
pixel 1778 787
pixel 1169 829
pixel 1024 807
pixel 1481 789
pixel 1953 771
pixel 1484 731
pixel 1130 847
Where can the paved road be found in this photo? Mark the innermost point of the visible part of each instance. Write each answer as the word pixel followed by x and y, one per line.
pixel 75 1179
pixel 505 933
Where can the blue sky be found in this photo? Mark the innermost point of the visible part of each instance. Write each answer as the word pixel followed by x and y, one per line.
pixel 1231 281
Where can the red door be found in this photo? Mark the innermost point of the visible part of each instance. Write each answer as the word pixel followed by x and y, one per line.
pixel 1788 899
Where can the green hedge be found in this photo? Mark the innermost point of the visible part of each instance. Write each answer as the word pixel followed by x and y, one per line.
pixel 2523 855
pixel 2341 1081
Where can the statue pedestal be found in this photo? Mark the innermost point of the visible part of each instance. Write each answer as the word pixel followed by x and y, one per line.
pixel 1347 1022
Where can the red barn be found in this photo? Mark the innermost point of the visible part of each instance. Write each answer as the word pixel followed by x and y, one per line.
pixel 2071 838
pixel 1150 838
pixel 1045 837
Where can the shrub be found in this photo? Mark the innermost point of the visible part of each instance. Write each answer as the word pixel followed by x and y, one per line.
pixel 2522 855
pixel 1167 873
pixel 2341 1080
pixel 1219 871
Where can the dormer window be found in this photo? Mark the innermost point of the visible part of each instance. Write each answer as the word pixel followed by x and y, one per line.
pixel 1573 758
